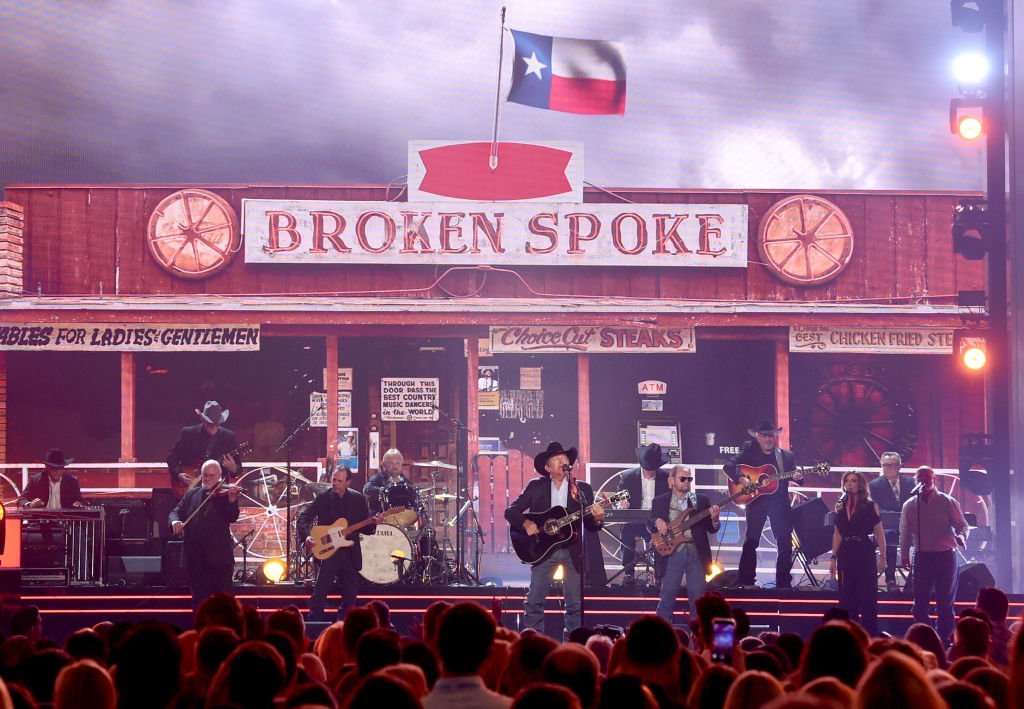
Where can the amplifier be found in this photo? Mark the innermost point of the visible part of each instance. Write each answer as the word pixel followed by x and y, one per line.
pixel 45 577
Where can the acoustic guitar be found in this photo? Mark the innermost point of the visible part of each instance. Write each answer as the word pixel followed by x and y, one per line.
pixel 181 488
pixel 329 538
pixel 756 481
pixel 556 529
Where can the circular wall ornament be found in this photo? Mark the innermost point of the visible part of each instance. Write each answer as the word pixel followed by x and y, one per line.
pixel 193 234
pixel 805 240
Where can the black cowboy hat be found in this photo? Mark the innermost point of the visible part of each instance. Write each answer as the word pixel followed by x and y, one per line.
pixel 651 457
pixel 554 448
pixel 764 426
pixel 213 413
pixel 55 459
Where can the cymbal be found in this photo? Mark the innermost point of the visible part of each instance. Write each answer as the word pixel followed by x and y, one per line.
pixel 435 464
pixel 444 497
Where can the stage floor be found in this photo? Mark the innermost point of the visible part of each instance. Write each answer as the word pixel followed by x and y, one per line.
pixel 799 610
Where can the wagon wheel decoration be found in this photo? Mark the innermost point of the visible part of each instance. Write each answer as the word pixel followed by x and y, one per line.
pixel 193 234
pixel 263 510
pixel 855 416
pixel 805 240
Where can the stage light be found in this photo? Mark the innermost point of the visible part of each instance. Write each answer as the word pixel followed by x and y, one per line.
pixel 974 357
pixel 559 574
pixel 970 69
pixel 970 224
pixel 715 570
pixel 967 118
pixel 967 15
pixel 273 570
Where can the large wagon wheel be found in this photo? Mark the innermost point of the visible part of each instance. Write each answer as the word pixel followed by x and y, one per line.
pixel 263 505
pixel 192 234
pixel 805 240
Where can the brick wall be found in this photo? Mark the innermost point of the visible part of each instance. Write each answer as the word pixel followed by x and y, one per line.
pixel 12 224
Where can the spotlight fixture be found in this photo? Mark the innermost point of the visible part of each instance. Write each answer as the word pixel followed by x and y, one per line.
pixel 273 570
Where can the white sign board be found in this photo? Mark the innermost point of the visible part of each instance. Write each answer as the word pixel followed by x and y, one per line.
pixel 870 340
pixel 281 231
pixel 409 398
pixel 135 337
pixel 593 339
pixel 318 409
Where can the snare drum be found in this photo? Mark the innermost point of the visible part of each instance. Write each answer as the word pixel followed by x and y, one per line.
pixel 383 554
pixel 401 493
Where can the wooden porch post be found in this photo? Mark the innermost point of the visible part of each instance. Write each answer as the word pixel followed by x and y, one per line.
pixel 331 375
pixel 583 393
pixel 472 402
pixel 782 390
pixel 126 476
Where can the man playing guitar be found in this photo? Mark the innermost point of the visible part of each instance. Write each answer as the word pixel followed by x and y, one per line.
pixel 204 441
pixel 763 450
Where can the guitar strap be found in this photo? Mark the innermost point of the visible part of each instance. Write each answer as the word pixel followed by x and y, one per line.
pixel 778 460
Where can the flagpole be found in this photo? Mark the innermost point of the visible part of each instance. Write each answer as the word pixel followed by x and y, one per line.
pixel 497 96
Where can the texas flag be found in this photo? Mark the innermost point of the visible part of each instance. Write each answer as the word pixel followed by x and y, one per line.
pixel 571 75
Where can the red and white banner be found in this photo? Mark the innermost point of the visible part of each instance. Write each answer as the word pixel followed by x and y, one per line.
pixel 527 172
pixel 535 234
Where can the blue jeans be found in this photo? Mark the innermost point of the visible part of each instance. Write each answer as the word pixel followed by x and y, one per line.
pixel 540 583
pixel 683 560
pixel 939 569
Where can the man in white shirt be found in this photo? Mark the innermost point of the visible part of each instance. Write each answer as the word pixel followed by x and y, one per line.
pixel 643 483
pixel 53 489
pixel 464 638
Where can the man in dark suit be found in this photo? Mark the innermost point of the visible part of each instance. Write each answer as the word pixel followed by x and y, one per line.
pixel 338 502
pixel 205 441
pixel 209 556
pixel 53 489
pixel 763 450
pixel 890 491
pixel 693 555
pixel 555 487
pixel 643 483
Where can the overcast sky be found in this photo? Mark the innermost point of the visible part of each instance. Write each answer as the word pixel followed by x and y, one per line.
pixel 795 94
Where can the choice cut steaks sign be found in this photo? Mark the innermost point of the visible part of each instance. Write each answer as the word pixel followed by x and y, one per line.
pixel 539 234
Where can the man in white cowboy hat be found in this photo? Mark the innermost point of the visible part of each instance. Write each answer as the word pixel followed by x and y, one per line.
pixel 53 489
pixel 543 493
pixel 206 440
pixel 764 450
pixel 643 483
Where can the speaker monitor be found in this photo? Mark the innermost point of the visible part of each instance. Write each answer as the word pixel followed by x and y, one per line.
pixel 812 530
pixel 971 578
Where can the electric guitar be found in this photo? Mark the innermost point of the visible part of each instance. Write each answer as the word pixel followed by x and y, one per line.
pixel 181 488
pixel 764 480
pixel 329 538
pixel 556 529
pixel 666 543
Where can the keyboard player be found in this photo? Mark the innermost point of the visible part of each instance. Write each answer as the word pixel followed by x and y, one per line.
pixel 53 489
pixel 643 483
pixel 890 491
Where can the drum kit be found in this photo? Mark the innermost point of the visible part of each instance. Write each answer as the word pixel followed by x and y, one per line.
pixel 406 547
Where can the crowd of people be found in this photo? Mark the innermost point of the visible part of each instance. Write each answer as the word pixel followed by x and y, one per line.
pixel 457 655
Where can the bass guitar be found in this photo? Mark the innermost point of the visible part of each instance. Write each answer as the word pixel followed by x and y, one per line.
pixel 666 543
pixel 329 538
pixel 756 481
pixel 556 529
pixel 192 471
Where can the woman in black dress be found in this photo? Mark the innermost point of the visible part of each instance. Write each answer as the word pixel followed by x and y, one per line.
pixel 853 551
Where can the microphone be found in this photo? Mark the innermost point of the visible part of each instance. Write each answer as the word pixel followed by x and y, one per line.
pixel 917 489
pixel 843 497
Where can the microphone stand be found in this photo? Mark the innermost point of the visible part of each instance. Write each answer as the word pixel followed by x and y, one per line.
pixel 462 575
pixel 583 541
pixel 286 445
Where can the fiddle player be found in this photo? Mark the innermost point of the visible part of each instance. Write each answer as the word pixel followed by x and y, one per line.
pixel 204 515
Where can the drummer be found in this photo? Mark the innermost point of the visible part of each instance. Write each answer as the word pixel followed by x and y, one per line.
pixel 390 478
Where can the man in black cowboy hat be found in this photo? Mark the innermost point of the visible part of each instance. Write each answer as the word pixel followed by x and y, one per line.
pixel 764 450
pixel 555 487
pixel 643 483
pixel 207 440
pixel 53 489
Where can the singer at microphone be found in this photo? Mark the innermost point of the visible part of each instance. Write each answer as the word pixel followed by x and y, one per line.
pixel 858 530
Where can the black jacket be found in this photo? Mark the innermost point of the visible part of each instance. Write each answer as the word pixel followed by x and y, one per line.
pixel 208 536
pixel 660 510
pixel 881 493
pixel 194 446
pixel 326 509
pixel 536 497
pixel 630 481
pixel 39 487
